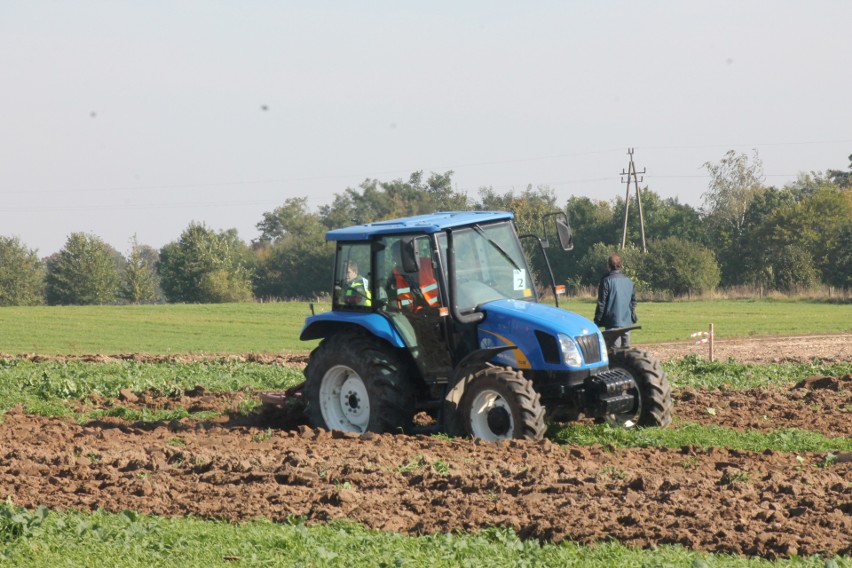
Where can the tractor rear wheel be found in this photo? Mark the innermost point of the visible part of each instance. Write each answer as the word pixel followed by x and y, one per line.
pixel 499 403
pixel 356 383
pixel 653 392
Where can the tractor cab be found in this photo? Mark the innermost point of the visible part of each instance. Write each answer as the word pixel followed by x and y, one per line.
pixel 432 285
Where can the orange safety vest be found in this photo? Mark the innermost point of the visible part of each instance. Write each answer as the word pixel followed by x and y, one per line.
pixel 404 296
pixel 428 284
pixel 428 288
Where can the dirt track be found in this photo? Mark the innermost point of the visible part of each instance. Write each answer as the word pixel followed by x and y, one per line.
pixel 778 349
pixel 768 504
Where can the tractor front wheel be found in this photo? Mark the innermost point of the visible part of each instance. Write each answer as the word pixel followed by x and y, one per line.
pixel 499 403
pixel 653 392
pixel 356 383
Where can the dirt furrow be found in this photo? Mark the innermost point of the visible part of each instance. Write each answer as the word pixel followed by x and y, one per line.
pixel 768 504
pixel 820 404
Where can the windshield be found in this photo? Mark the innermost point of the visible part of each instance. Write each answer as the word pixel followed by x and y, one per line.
pixel 490 265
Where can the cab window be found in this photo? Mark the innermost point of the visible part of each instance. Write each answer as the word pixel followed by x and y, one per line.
pixel 352 288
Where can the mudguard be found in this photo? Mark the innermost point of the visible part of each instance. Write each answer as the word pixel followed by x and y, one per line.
pixel 324 324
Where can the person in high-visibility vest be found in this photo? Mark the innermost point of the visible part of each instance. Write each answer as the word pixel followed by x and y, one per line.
pixel 411 294
pixel 357 291
pixel 399 287
pixel 428 284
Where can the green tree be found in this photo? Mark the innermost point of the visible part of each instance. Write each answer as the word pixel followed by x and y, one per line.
pixel 793 269
pixel 814 222
pixel 841 178
pixel 735 183
pixel 680 267
pixel 140 281
pixel 839 269
pixel 290 219
pixel 21 274
pixel 293 260
pixel 85 272
pixel 592 266
pixel 663 218
pixel 593 221
pixel 292 257
pixel 204 266
pixel 376 200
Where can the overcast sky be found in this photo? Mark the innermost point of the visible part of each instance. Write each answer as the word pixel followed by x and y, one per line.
pixel 121 118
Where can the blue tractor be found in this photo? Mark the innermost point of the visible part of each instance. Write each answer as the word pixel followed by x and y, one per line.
pixel 437 316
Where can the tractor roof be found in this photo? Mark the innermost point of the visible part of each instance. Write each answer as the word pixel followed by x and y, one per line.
pixel 432 223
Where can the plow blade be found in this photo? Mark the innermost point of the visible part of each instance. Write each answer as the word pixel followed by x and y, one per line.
pixel 284 398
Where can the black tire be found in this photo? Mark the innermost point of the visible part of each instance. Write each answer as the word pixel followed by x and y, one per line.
pixel 653 392
pixel 378 398
pixel 499 403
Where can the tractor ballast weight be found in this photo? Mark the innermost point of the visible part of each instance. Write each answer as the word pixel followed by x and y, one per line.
pixel 443 322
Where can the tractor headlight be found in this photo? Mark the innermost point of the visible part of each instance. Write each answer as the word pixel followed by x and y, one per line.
pixel 602 343
pixel 570 353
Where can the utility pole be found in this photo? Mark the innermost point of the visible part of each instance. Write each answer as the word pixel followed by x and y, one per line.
pixel 631 173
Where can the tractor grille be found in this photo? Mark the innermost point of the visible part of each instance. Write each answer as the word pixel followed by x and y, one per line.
pixel 590 347
pixel 549 347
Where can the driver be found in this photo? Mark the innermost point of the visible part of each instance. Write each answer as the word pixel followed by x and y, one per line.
pixel 357 291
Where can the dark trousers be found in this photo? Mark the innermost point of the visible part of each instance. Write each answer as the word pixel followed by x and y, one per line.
pixel 623 340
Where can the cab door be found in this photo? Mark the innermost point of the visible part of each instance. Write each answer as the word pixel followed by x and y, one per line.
pixel 413 299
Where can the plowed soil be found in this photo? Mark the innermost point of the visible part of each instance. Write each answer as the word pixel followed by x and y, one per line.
pixel 768 504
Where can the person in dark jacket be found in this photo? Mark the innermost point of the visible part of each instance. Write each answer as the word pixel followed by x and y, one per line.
pixel 616 301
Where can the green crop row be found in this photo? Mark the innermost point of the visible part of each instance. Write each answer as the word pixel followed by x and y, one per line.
pixel 50 383
pixel 689 434
pixel 48 388
pixel 692 371
pixel 54 381
pixel 45 538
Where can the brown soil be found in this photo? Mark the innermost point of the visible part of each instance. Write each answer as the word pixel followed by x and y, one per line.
pixel 823 404
pixel 767 504
pixel 777 349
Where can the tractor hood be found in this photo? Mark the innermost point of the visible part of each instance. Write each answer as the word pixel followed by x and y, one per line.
pixel 535 328
pixel 539 316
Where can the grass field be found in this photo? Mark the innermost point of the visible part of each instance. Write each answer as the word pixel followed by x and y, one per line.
pixel 275 327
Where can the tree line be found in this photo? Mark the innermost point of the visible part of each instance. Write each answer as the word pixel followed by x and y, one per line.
pixel 789 239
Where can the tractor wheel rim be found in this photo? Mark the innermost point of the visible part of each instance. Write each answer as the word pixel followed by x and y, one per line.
pixel 344 401
pixel 491 417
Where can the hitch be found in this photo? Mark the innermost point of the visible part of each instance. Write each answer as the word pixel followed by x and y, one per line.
pixel 611 392
pixel 610 335
pixel 281 399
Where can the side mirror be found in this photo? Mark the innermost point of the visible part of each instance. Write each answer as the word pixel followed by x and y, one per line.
pixel 566 237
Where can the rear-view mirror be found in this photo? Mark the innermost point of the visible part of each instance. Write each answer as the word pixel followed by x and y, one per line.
pixel 566 237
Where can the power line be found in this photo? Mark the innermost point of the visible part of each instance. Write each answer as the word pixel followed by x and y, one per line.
pixel 374 175
pixel 106 207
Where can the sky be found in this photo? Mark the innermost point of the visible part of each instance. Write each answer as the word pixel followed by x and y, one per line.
pixel 122 118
